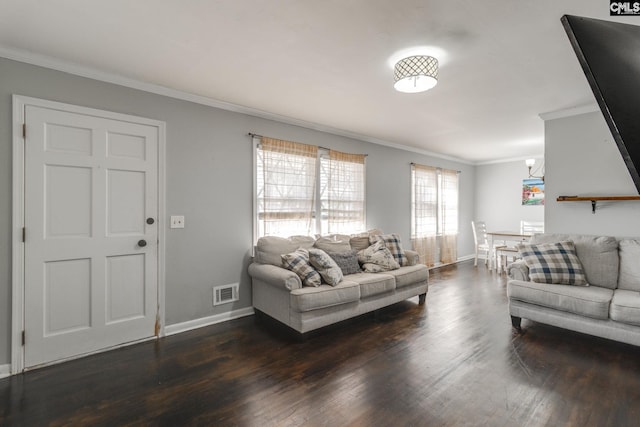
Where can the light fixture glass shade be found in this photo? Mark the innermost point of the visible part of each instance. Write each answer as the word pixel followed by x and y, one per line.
pixel 530 162
pixel 415 74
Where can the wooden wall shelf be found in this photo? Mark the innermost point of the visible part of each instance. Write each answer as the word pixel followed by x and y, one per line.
pixel 595 199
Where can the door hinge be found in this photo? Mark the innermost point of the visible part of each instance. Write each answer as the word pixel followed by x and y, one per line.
pixel 24 234
pixel 23 338
pixel 24 130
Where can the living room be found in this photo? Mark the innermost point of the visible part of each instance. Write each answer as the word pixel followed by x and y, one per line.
pixel 209 172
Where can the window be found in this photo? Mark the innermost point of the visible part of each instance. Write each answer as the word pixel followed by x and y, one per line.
pixel 434 213
pixel 342 192
pixel 286 187
pixel 294 182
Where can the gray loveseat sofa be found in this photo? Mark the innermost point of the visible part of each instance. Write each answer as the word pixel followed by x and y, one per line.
pixel 609 307
pixel 279 293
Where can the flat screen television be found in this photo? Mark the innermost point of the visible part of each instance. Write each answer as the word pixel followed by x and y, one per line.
pixel 609 53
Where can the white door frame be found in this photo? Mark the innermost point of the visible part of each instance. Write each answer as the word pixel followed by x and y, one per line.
pixel 18 246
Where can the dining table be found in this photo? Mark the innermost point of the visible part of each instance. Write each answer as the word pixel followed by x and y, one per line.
pixel 504 236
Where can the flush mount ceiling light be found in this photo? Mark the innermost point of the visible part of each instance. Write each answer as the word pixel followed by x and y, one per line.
pixel 415 74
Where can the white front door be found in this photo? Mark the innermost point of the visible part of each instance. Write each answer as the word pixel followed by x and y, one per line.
pixel 91 222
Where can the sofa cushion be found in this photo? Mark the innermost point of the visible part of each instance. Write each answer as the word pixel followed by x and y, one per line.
pixel 377 258
pixel 325 265
pixel 298 262
pixel 625 307
pixel 629 277
pixel 269 249
pixel 393 243
pixel 410 275
pixel 373 283
pixel 334 243
pixel 555 263
pixel 347 261
pixel 307 299
pixel 590 301
pixel 359 243
pixel 598 255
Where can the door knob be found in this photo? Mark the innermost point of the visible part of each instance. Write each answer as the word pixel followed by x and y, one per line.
pixel 142 243
pixel 150 221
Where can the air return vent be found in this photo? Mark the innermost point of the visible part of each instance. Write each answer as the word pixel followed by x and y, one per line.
pixel 225 294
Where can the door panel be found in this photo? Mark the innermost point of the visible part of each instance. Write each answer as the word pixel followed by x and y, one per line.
pixel 67 296
pixel 90 184
pixel 67 139
pixel 68 195
pixel 126 202
pixel 125 287
pixel 127 146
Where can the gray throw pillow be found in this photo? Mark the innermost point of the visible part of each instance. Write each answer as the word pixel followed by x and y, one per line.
pixel 347 261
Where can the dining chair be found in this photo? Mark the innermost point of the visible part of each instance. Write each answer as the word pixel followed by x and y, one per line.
pixel 504 253
pixel 483 250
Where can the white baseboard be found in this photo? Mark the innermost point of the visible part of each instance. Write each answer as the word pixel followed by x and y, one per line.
pixel 5 371
pixel 207 321
pixel 466 258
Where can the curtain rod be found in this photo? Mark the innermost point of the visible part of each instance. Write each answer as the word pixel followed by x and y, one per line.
pixel 418 164
pixel 255 135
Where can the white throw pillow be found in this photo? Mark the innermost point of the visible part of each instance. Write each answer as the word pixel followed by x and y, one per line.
pixel 377 258
pixel 326 266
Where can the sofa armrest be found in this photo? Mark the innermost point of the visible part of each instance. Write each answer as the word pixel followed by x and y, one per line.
pixel 412 256
pixel 275 276
pixel 518 270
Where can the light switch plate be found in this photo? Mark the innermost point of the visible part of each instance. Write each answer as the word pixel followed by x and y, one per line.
pixel 177 221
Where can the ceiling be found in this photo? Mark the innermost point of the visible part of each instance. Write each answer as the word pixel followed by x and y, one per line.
pixel 502 62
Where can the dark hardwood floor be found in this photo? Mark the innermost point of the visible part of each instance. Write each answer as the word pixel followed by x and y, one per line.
pixel 452 362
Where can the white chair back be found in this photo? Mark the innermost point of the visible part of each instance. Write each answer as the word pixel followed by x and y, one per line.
pixel 479 232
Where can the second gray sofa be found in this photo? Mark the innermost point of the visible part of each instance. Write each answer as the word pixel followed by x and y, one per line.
pixel 609 307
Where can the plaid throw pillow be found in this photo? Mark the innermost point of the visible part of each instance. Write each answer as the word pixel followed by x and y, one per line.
pixel 298 262
pixel 555 263
pixel 392 242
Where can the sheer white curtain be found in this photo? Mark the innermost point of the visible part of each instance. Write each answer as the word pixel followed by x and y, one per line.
pixel 343 192
pixel 434 221
pixel 424 212
pixel 286 187
pixel 449 215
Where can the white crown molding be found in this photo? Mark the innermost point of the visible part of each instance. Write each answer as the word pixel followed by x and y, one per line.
pixel 95 74
pixel 512 159
pixel 569 112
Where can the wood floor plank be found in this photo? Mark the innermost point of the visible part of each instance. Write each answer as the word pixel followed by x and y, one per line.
pixel 452 362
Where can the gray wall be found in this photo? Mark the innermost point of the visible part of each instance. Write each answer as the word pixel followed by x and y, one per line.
pixel 499 195
pixel 209 180
pixel 582 159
